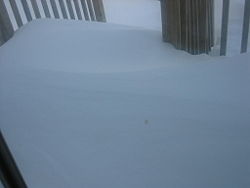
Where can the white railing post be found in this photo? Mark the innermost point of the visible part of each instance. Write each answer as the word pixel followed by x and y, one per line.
pixel 54 8
pixel 85 10
pixel 245 30
pixel 63 9
pixel 35 8
pixel 77 8
pixel 6 27
pixel 1 37
pixel 70 9
pixel 224 29
pixel 26 10
pixel 16 13
pixel 91 10
pixel 45 8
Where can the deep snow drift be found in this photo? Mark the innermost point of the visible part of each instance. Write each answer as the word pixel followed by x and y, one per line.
pixel 100 105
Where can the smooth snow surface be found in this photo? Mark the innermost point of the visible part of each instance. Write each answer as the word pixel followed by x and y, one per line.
pixel 106 106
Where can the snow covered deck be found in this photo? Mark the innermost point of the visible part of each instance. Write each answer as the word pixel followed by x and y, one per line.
pixel 101 105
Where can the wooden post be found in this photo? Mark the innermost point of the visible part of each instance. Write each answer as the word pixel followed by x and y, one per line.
pixel 245 30
pixel 188 24
pixel 54 9
pixel 224 29
pixel 99 10
pixel 35 8
pixel 63 9
pixel 16 13
pixel 85 10
pixel 6 27
pixel 26 10
pixel 78 11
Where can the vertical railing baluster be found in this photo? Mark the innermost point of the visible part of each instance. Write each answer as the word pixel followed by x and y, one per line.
pixel 6 27
pixel 63 9
pixel 99 10
pixel 194 27
pixel 54 9
pixel 212 22
pixel 245 31
pixel 70 9
pixel 78 11
pixel 224 30
pixel 163 18
pixel 85 10
pixel 45 8
pixel 197 20
pixel 1 37
pixel 26 10
pixel 16 13
pixel 10 173
pixel 189 26
pixel 35 8
pixel 91 10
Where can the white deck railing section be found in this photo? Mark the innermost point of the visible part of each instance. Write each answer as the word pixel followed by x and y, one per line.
pixel 224 30
pixel 92 10
pixel 174 33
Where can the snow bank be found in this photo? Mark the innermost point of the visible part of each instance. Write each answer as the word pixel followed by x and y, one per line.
pixel 101 105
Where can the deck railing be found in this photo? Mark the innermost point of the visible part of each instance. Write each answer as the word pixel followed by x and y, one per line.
pixel 175 34
pixel 93 10
pixel 10 176
pixel 224 30
pixel 89 10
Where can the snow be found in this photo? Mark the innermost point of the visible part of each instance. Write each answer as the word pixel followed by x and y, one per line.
pixel 140 13
pixel 104 105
